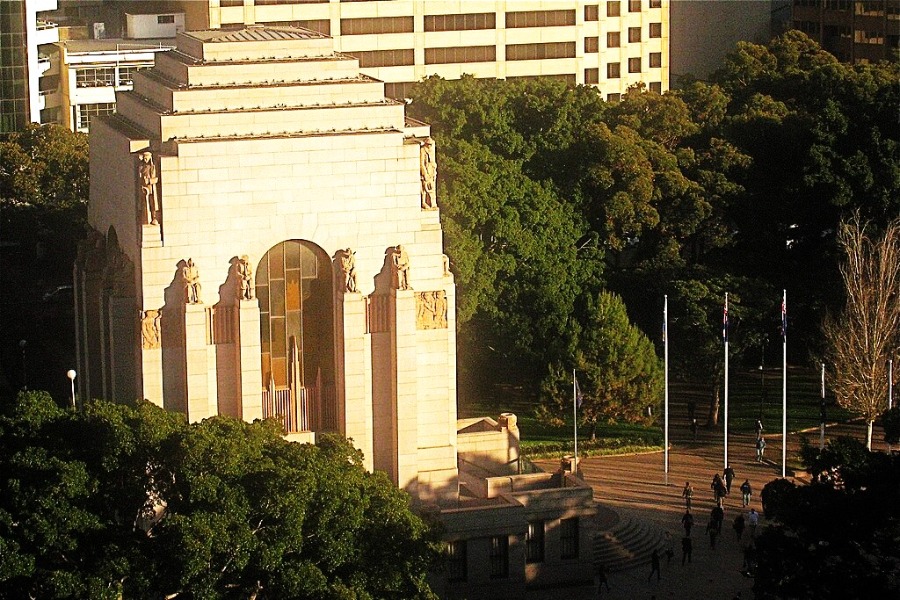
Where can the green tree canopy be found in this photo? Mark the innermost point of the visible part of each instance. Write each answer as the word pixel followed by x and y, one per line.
pixel 835 538
pixel 133 502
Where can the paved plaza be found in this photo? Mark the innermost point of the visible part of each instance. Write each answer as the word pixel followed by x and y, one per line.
pixel 635 488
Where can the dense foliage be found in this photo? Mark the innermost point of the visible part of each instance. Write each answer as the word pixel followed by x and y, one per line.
pixel 129 502
pixel 549 196
pixel 837 537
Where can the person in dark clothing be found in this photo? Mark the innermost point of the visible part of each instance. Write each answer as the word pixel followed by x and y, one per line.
pixel 739 523
pixel 687 549
pixel 717 516
pixel 654 565
pixel 729 477
pixel 600 579
pixel 687 520
pixel 746 492
pixel 713 533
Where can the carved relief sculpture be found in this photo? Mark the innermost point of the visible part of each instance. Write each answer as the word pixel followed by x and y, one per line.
pixel 347 262
pixel 431 310
pixel 149 179
pixel 245 272
pixel 150 337
pixel 400 262
pixel 191 278
pixel 428 173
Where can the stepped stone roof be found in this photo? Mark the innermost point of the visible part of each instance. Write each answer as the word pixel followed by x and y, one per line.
pixel 257 34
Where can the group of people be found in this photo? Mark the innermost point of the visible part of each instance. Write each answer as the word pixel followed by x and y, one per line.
pixel 721 488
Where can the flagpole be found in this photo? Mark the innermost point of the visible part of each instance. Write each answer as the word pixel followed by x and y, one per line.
pixel 784 385
pixel 666 397
pixel 890 383
pixel 575 411
pixel 725 335
pixel 822 410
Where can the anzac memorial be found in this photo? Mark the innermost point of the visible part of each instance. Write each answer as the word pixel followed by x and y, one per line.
pixel 265 242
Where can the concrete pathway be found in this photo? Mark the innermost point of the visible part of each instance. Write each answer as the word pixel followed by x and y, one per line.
pixel 635 486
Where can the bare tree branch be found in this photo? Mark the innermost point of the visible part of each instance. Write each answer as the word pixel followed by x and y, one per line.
pixel 866 333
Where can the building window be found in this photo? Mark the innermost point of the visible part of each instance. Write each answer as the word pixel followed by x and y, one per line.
pixel 376 26
pixel 165 19
pixel 320 25
pixel 540 18
pixel 656 87
pixel 613 8
pixel 592 12
pixel 613 97
pixel 95 77
pixel 464 54
pixel 634 6
pixel 656 30
pixel 613 71
pixel 655 60
pixel 613 39
pixel 634 34
pixel 499 555
pixel 568 538
pixel 385 58
pixel 456 561
pixel 634 65
pixel 126 73
pixel 655 3
pixel 465 22
pixel 591 45
pixel 591 76
pixel 86 112
pixel 226 3
pixel 534 542
pixel 546 51
pixel 398 90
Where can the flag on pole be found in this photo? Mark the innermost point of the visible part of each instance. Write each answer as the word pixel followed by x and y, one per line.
pixel 579 399
pixel 664 327
pixel 725 321
pixel 783 318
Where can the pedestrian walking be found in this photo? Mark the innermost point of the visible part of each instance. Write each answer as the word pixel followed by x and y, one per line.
pixel 694 428
pixel 712 532
pixel 749 565
pixel 753 521
pixel 738 525
pixel 759 428
pixel 687 521
pixel 729 477
pixel 670 548
pixel 718 487
pixel 760 448
pixel 687 549
pixel 687 493
pixel 654 565
pixel 717 516
pixel 600 579
pixel 746 492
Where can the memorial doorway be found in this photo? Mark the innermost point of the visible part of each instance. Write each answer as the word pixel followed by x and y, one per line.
pixel 294 288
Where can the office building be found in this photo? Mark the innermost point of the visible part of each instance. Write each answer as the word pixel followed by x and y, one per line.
pixel 855 31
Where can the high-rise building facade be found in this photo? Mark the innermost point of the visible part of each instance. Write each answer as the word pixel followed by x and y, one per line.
pixel 25 46
pixel 611 44
pixel 857 31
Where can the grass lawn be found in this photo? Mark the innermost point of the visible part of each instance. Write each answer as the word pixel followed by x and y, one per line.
pixel 746 399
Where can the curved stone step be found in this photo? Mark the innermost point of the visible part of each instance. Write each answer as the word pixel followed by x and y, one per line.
pixel 627 544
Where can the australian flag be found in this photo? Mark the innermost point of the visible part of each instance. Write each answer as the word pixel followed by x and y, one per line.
pixel 579 398
pixel 725 322
pixel 783 318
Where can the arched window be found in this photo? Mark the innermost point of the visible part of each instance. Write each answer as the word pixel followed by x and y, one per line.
pixel 294 290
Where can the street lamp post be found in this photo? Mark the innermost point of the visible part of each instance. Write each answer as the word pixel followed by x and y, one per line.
pixel 71 374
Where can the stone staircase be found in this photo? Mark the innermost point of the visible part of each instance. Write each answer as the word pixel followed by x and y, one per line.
pixel 626 544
